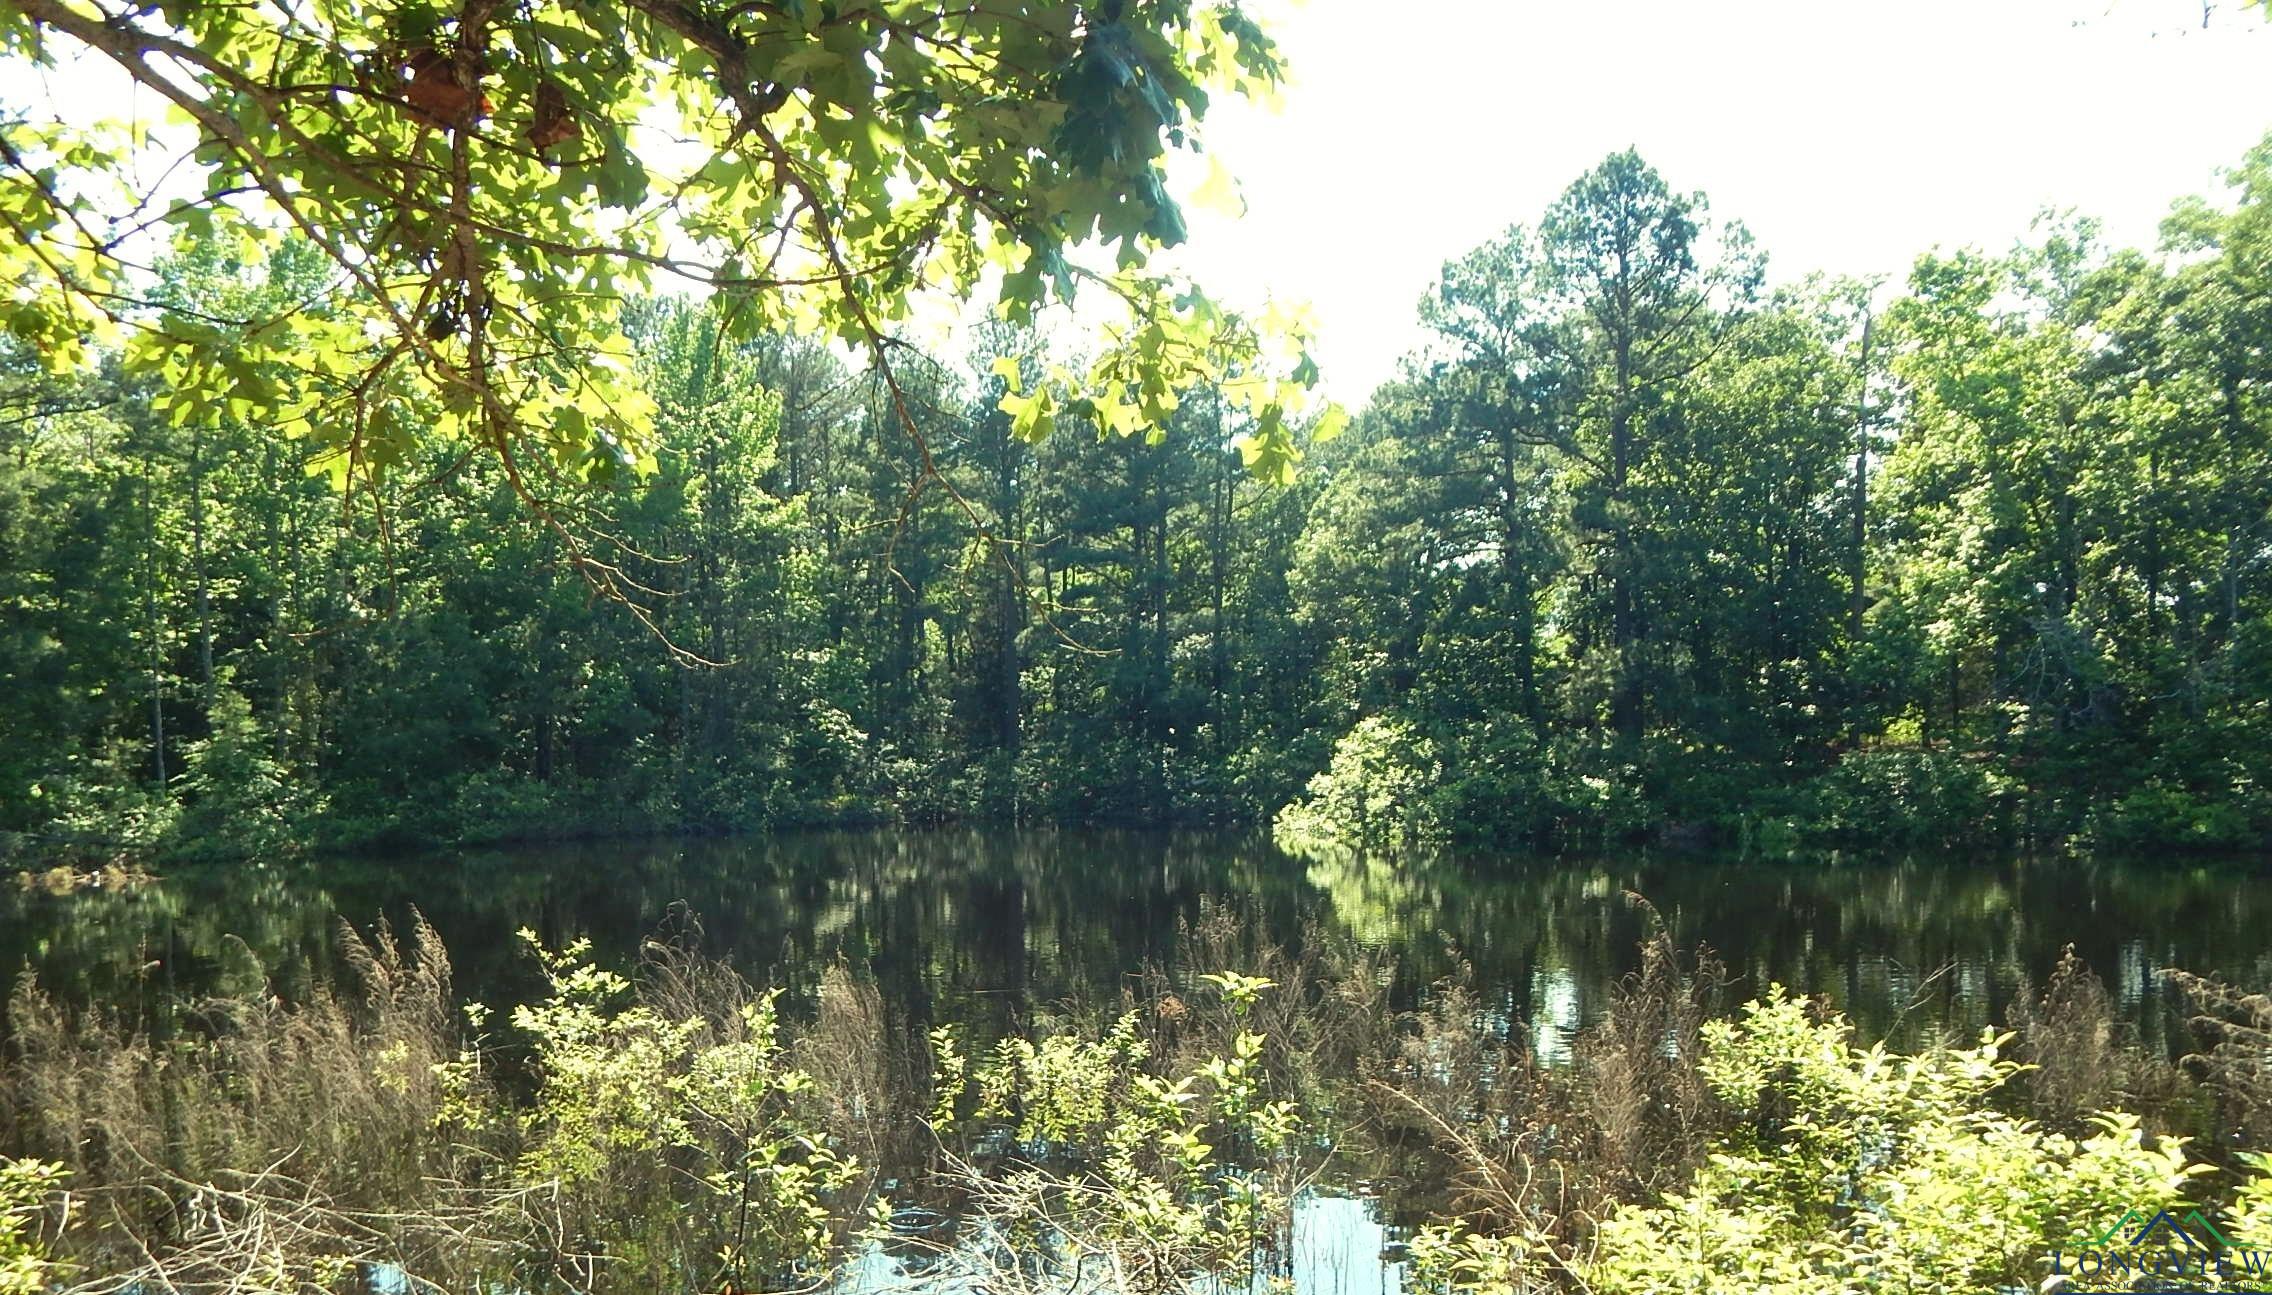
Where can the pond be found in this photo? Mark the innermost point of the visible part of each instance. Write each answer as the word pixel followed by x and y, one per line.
pixel 987 925
pixel 992 927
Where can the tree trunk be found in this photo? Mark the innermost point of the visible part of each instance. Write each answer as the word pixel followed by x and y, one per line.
pixel 1858 557
pixel 150 620
pixel 1625 695
pixel 197 566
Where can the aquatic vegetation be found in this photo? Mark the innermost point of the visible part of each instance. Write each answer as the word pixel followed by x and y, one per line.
pixel 667 1127
pixel 1075 1149
pixel 1843 1167
pixel 25 1188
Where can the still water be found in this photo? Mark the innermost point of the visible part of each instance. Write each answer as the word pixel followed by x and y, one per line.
pixel 991 927
pixel 985 925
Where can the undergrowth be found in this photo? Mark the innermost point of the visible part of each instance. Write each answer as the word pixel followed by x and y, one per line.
pixel 665 1127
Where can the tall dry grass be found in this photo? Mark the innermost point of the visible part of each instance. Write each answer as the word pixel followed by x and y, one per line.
pixel 2234 1063
pixel 267 1144
pixel 1523 1144
pixel 2083 1058
pixel 286 1146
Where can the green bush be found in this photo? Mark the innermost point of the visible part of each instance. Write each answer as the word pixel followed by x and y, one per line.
pixel 1847 1169
pixel 635 1107
pixel 620 1137
pixel 241 800
pixel 656 1132
pixel 1379 790
pixel 1496 793
pixel 25 1185
pixel 99 808
pixel 1906 798
pixel 2160 814
pixel 1165 1176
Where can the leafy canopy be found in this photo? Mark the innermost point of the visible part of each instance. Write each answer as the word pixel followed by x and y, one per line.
pixel 488 181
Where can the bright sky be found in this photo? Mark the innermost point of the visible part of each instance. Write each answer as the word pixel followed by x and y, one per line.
pixel 1850 135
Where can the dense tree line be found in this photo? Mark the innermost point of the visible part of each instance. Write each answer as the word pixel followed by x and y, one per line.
pixel 1636 546
pixel 211 646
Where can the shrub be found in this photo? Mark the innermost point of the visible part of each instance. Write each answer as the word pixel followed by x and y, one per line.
pixel 637 1110
pixel 99 808
pixel 2081 1057
pixel 242 801
pixel 504 805
pixel 1377 791
pixel 1496 792
pixel 662 1130
pixel 334 1090
pixel 25 1266
pixel 1845 1168
pixel 296 1142
pixel 2159 814
pixel 1076 1147
pixel 1906 799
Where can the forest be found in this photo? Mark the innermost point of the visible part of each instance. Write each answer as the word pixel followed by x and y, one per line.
pixel 1641 546
pixel 666 646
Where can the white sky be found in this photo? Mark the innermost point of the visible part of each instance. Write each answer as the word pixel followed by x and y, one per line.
pixel 1850 135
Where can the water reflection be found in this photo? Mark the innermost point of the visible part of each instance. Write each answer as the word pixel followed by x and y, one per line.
pixel 993 926
pixel 1338 1248
pixel 997 928
pixel 1337 1245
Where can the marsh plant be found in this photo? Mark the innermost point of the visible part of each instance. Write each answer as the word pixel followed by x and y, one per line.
pixel 671 1128
pixel 1837 1166
pixel 592 1141
pixel 1096 1170
pixel 659 1130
